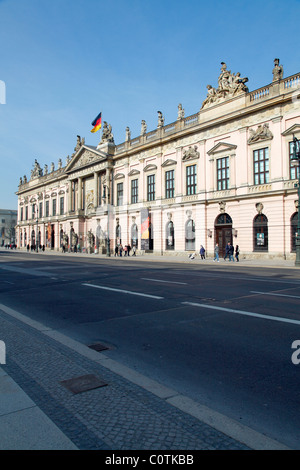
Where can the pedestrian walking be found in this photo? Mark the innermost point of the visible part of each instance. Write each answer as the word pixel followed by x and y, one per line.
pixel 227 249
pixel 237 253
pixel 120 250
pixel 217 253
pixel 202 252
pixel 231 251
pixel 134 250
pixel 128 250
pixel 116 250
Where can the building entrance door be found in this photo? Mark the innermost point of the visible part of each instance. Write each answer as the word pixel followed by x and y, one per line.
pixel 223 232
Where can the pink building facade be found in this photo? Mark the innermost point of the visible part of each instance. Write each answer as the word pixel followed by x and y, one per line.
pixel 222 174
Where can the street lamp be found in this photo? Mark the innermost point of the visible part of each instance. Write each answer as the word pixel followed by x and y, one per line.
pixel 105 187
pixel 296 158
pixel 36 213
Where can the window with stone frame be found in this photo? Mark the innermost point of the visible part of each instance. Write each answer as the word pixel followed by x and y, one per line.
pixel 191 180
pixel 294 168
pixel 119 194
pixel 222 173
pixel 151 188
pixel 169 184
pixel 134 191
pixel 261 166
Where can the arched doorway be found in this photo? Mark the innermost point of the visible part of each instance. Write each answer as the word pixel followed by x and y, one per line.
pixel 134 235
pixel 223 232
pixel 190 236
pixel 260 233
pixel 294 225
pixel 170 239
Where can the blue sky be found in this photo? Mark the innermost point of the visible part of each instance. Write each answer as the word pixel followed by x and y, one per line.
pixel 64 61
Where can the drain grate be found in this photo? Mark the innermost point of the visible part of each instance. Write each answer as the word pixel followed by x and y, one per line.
pixel 98 347
pixel 83 383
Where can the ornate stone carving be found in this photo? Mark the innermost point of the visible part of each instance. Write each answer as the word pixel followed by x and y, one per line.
pixel 161 119
pixel 59 166
pixel 128 134
pixel 262 133
pixel 190 153
pixel 37 171
pixel 107 135
pixel 222 206
pixel 46 170
pixel 259 207
pixel 180 112
pixel 229 86
pixel 85 159
pixel 143 127
pixel 277 71
pixel 52 168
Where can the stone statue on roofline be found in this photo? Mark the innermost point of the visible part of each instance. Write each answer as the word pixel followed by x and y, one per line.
pixel 230 85
pixel 107 135
pixel 180 114
pixel 143 127
pixel 37 171
pixel 277 71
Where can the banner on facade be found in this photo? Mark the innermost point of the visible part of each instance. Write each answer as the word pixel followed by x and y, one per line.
pixel 145 224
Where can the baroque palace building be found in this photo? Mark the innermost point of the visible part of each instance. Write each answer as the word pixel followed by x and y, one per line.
pixel 222 174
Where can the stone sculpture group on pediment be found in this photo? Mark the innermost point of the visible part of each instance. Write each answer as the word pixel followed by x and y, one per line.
pixel 229 86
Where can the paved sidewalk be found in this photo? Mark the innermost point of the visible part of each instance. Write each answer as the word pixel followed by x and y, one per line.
pixel 172 258
pixel 125 410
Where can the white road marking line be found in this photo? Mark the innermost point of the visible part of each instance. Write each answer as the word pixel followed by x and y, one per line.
pixel 159 280
pixel 123 291
pixel 243 312
pixel 278 295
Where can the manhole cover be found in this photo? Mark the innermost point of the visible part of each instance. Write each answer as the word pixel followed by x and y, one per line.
pixel 98 347
pixel 83 383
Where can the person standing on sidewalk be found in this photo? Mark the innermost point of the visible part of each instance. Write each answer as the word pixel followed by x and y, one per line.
pixel 227 251
pixel 217 252
pixel 237 253
pixel 231 251
pixel 202 252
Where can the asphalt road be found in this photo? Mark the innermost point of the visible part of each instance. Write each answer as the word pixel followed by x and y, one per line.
pixel 218 333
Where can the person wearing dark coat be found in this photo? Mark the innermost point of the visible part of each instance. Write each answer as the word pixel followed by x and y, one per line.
pixel 227 249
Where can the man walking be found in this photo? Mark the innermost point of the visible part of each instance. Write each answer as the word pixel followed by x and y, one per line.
pixel 217 252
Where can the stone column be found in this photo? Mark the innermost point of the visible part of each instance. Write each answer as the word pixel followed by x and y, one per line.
pixel 96 189
pixel 79 193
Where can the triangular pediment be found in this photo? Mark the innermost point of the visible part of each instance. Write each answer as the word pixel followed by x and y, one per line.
pixel 222 147
pixel 85 156
pixel 169 162
pixel 292 130
pixel 133 172
pixel 150 167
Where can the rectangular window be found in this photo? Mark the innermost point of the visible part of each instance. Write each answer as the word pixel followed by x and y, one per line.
pixel 33 214
pixel 151 188
pixel 134 191
pixel 294 166
pixel 21 215
pixel 223 173
pixel 53 206
pixel 40 209
pixel 119 194
pixel 191 180
pixel 170 186
pixel 26 213
pixel 261 166
pixel 62 205
pixel 47 208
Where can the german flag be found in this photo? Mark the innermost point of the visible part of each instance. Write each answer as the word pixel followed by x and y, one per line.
pixel 97 123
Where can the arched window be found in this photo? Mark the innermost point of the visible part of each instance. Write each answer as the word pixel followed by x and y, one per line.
pixel 170 240
pixel 118 234
pixel 134 235
pixel 223 219
pixel 260 233
pixel 294 225
pixel 190 236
